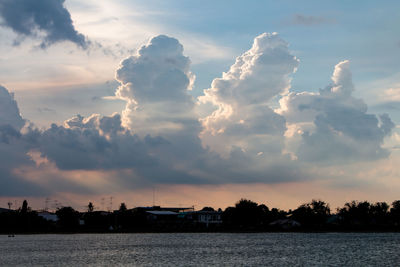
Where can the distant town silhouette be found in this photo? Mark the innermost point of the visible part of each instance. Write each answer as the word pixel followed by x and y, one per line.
pixel 244 216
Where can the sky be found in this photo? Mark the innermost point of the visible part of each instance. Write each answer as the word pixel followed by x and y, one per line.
pixel 198 103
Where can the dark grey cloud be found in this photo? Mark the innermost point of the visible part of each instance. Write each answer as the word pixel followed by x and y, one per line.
pixel 92 143
pixel 300 19
pixel 102 143
pixel 13 149
pixel 9 111
pixel 345 136
pixel 16 143
pixel 41 17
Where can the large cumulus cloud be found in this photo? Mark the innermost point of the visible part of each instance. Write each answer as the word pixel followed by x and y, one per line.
pixel 159 138
pixel 46 19
pixel 243 117
pixel 155 83
pixel 13 148
pixel 333 125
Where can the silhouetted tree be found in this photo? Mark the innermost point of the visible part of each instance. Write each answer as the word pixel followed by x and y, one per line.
pixel 379 213
pixel 24 208
pixel 313 214
pixel 207 209
pixel 320 208
pixel 98 221
pixel 277 214
pixel 245 215
pixel 122 207
pixel 395 212
pixel 396 205
pixel 90 207
pixel 355 214
pixel 68 218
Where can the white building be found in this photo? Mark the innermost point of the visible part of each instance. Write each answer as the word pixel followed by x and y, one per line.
pixel 208 217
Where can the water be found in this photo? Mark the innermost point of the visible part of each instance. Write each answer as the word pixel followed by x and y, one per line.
pixel 203 249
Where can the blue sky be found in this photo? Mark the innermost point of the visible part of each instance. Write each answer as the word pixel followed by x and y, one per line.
pixel 301 108
pixel 365 33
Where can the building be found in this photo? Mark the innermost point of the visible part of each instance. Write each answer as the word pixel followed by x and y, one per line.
pixel 3 210
pixel 208 217
pixel 48 216
pixel 158 215
pixel 202 218
pixel 173 209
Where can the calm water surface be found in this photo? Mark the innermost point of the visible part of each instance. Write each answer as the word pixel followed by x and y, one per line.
pixel 204 249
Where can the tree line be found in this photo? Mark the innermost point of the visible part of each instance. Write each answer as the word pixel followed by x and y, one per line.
pixel 245 215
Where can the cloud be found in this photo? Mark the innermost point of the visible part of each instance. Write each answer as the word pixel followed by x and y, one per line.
pixel 45 109
pixel 157 138
pixel 391 94
pixel 48 20
pixel 334 126
pixel 22 174
pixel 95 142
pixel 9 111
pixel 160 139
pixel 243 117
pixel 299 19
pixel 155 84
pixel 13 148
pixel 102 143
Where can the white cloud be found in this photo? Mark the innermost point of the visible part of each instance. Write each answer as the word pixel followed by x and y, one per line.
pixel 391 94
pixel 341 128
pixel 159 138
pixel 155 83
pixel 243 117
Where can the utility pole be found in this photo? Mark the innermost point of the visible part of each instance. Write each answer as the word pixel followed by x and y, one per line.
pixel 154 196
pixel 111 204
pixel 102 203
pixel 56 204
pixel 46 207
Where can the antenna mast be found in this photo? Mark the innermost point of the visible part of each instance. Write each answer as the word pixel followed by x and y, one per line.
pixel 154 196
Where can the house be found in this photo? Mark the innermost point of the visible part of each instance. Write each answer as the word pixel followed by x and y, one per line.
pixel 202 217
pixel 48 216
pixel 154 215
pixel 3 210
pixel 162 219
pixel 163 215
pixel 159 208
pixel 208 217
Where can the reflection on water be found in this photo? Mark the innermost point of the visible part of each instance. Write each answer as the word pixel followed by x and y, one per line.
pixel 186 249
